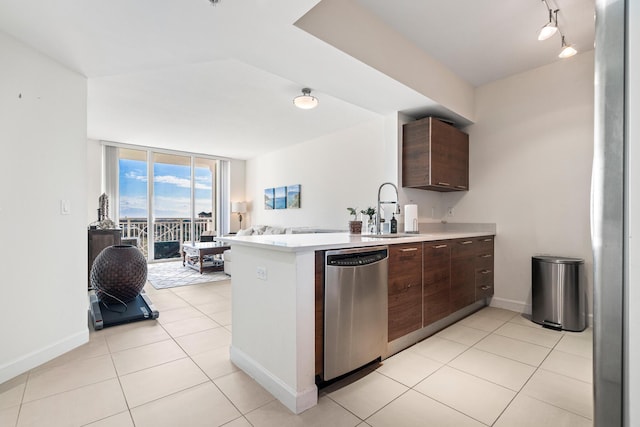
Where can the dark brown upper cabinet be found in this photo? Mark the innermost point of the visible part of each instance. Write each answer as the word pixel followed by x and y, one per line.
pixel 435 156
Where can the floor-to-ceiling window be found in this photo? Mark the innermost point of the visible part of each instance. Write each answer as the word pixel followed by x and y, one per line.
pixel 163 198
pixel 131 196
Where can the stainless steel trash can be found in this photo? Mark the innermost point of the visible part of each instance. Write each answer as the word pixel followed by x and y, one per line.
pixel 558 294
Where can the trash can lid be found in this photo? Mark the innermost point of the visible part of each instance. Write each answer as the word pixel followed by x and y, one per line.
pixel 558 259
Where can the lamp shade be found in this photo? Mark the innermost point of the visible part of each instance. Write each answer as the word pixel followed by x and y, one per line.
pixel 567 51
pixel 547 31
pixel 305 101
pixel 239 207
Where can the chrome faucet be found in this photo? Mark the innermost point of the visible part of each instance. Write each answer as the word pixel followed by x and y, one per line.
pixel 380 203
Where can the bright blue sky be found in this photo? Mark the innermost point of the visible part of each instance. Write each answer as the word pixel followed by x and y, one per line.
pixel 171 190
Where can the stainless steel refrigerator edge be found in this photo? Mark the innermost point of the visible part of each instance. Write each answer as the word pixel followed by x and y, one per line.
pixel 608 195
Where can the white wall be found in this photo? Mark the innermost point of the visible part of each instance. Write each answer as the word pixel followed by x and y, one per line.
pixel 335 171
pixel 530 173
pixel 43 258
pixel 94 178
pixel 633 116
pixel 531 150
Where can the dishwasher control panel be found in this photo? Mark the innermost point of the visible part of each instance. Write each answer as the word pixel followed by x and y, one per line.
pixel 356 259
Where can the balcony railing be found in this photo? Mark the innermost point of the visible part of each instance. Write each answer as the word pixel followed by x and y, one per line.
pixel 164 230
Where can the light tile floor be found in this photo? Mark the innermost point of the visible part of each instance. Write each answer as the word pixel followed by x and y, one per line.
pixel 493 368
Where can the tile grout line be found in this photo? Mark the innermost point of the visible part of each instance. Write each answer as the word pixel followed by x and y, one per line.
pixel 539 368
pixel 124 395
pixel 516 392
pixel 24 391
pixel 448 406
pixel 201 370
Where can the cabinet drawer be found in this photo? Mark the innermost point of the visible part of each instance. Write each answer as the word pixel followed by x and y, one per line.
pixel 463 248
pixel 484 275
pixel 484 283
pixel 484 291
pixel 484 260
pixel 485 244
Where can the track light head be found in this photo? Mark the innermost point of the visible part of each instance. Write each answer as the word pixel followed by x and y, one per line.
pixel 567 50
pixel 551 27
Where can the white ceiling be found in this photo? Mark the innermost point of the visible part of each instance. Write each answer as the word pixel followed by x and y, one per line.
pixel 184 74
pixel 485 41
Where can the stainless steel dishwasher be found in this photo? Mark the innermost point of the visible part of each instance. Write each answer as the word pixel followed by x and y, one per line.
pixel 355 308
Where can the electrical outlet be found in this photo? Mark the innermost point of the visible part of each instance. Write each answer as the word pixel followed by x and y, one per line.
pixel 261 273
pixel 450 212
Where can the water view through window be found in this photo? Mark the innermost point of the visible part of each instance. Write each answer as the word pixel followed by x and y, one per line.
pixel 173 211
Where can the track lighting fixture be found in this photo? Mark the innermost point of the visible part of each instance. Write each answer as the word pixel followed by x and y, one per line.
pixel 550 28
pixel 567 50
pixel 305 101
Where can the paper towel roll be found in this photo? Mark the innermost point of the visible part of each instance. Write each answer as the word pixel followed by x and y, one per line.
pixel 410 218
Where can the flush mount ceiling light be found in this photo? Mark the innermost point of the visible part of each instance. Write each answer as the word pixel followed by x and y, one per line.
pixel 567 50
pixel 305 101
pixel 551 27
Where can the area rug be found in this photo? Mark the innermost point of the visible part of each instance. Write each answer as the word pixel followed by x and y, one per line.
pixel 163 275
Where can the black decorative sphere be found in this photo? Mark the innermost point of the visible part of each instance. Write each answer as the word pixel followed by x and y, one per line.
pixel 119 273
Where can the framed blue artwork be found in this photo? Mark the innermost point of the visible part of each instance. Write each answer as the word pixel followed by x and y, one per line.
pixel 293 196
pixel 281 198
pixel 269 198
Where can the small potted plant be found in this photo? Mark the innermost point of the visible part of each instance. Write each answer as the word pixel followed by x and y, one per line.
pixel 355 226
pixel 371 224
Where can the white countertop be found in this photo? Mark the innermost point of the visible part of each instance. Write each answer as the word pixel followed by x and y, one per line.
pixel 321 241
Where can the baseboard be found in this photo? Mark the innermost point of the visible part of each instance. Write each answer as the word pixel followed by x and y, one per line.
pixel 295 401
pixel 411 338
pixel 522 307
pixel 509 304
pixel 36 358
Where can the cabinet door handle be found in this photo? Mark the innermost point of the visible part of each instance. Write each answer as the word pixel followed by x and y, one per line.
pixel 444 183
pixel 439 246
pixel 485 256
pixel 466 242
pixel 408 249
pixel 487 240
pixel 485 272
pixel 464 187
pixel 484 288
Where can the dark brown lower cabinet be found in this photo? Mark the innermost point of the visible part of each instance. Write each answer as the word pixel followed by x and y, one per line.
pixel 436 281
pixel 463 273
pixel 405 289
pixel 484 268
pixel 427 282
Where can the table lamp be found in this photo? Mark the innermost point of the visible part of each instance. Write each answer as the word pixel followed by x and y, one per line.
pixel 239 208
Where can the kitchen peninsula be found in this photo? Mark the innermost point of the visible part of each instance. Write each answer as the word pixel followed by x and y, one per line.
pixel 275 300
